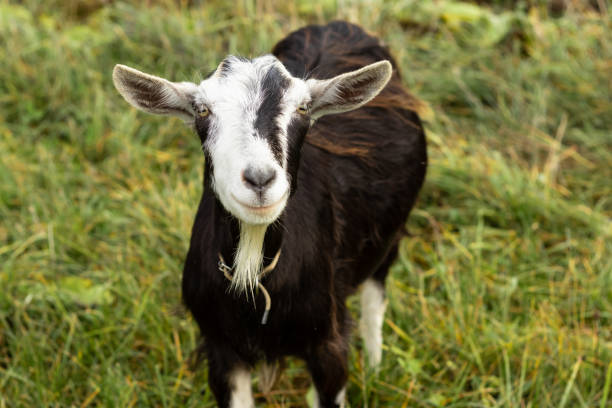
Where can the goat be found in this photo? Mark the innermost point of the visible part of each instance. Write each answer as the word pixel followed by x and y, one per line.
pixel 304 178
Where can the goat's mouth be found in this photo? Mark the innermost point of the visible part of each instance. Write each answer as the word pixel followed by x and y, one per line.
pixel 262 209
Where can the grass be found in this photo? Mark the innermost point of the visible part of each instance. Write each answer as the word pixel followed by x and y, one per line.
pixel 501 296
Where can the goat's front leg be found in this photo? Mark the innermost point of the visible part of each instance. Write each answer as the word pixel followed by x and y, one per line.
pixel 229 378
pixel 328 366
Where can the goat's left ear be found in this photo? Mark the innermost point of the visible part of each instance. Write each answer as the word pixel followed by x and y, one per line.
pixel 154 94
pixel 348 91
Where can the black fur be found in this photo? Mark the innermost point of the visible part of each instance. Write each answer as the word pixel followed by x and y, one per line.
pixel 224 67
pixel 273 86
pixel 355 178
pixel 202 125
pixel 296 131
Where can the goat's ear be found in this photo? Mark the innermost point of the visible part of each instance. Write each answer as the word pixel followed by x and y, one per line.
pixel 348 91
pixel 153 94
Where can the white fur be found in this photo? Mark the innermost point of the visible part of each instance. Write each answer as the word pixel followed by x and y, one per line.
pixel 241 394
pixel 249 257
pixel 341 398
pixel 372 314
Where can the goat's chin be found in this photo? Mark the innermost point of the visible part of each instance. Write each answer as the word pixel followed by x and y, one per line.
pixel 256 215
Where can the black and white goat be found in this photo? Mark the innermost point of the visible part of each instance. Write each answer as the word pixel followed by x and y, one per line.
pixel 315 203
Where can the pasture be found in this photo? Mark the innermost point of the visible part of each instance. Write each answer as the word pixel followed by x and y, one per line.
pixel 501 296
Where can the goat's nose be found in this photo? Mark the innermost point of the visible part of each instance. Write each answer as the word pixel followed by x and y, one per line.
pixel 258 178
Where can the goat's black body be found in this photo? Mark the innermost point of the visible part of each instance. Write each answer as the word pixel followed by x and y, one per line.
pixel 340 226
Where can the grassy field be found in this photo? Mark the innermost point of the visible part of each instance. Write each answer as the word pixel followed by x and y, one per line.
pixel 502 295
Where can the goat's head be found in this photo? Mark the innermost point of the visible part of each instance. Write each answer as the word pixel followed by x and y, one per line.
pixel 252 117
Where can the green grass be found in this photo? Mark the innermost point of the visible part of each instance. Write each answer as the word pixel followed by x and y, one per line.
pixel 501 296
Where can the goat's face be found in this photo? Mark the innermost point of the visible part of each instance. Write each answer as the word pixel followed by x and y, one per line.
pixel 252 111
pixel 252 117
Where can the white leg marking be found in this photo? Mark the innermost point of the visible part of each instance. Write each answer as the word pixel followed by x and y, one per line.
pixel 372 314
pixel 316 402
pixel 240 382
pixel 341 398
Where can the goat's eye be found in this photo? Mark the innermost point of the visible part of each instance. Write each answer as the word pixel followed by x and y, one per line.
pixel 203 111
pixel 302 109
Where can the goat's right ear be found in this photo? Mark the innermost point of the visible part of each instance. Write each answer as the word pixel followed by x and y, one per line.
pixel 153 94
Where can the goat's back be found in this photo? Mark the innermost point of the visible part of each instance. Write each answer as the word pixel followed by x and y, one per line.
pixel 325 51
pixel 372 160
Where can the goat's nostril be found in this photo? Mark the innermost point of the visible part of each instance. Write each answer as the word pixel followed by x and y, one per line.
pixel 258 179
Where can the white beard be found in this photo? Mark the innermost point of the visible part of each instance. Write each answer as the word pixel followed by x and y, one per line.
pixel 249 257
